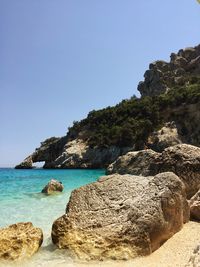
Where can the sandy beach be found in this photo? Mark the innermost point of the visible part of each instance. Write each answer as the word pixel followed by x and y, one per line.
pixel 174 253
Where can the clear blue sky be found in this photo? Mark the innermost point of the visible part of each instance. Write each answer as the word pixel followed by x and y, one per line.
pixel 62 58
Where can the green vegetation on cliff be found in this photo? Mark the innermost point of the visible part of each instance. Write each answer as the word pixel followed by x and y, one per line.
pixel 131 121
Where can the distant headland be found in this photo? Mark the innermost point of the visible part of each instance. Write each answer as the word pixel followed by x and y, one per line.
pixel 167 113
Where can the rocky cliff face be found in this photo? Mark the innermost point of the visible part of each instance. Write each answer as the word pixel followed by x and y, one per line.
pixel 186 118
pixel 49 150
pixel 183 160
pixel 167 114
pixel 72 154
pixel 162 76
pixel 77 154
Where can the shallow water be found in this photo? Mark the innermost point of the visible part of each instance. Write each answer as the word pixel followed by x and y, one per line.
pixel 21 201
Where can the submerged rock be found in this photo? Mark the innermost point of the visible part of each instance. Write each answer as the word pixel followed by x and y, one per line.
pixel 195 206
pixel 122 216
pixel 19 241
pixel 52 187
pixel 183 160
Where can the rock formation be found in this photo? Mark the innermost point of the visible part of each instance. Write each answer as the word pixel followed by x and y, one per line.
pixel 157 125
pixel 49 150
pixel 73 154
pixel 19 241
pixel 195 258
pixel 122 216
pixel 185 118
pixel 163 76
pixel 26 164
pixel 195 206
pixel 183 160
pixel 135 162
pixel 167 136
pixel 52 187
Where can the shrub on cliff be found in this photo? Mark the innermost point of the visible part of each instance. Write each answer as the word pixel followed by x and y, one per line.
pixel 131 121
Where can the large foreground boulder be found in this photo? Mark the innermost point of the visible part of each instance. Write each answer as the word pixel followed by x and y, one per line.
pixel 19 241
pixel 52 187
pixel 122 216
pixel 183 160
pixel 195 206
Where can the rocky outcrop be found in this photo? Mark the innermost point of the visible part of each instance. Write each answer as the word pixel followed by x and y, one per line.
pixel 135 162
pixel 52 187
pixel 26 164
pixel 122 216
pixel 163 76
pixel 19 241
pixel 195 206
pixel 186 117
pixel 73 154
pixel 152 122
pixel 167 136
pixel 195 258
pixel 49 150
pixel 77 154
pixel 183 160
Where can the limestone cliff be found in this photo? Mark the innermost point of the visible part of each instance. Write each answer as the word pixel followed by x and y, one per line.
pixel 73 154
pixel 162 76
pixel 168 113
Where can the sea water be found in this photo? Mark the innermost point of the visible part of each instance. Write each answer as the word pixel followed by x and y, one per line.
pixel 21 201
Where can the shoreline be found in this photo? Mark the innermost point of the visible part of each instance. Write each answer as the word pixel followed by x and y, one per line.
pixel 175 252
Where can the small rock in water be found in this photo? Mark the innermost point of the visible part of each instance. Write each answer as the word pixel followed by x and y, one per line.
pixel 53 186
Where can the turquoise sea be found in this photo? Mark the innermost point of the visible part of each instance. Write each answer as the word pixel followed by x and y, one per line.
pixel 21 201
